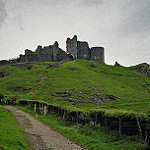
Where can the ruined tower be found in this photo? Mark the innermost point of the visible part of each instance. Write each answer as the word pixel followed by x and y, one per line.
pixel 71 46
pixel 81 50
pixel 97 54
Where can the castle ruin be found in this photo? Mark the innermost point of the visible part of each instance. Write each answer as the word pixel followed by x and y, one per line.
pixel 49 53
pixel 74 50
pixel 81 50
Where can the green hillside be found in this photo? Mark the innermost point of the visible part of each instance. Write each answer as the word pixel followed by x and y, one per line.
pixel 78 84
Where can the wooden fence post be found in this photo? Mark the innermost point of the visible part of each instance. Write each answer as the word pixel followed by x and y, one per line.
pixel 35 108
pixel 77 118
pixel 139 127
pixel 95 122
pixel 45 110
pixel 64 114
pixel 84 119
pixel 146 133
pixel 58 111
pixel 105 121
pixel 119 126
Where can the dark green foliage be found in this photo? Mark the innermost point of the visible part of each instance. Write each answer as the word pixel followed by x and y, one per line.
pixel 1 96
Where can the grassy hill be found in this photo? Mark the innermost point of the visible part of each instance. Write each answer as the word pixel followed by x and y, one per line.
pixel 84 86
pixel 78 84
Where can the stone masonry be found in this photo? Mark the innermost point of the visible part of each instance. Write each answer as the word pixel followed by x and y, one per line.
pixel 45 54
pixel 81 50
pixel 74 50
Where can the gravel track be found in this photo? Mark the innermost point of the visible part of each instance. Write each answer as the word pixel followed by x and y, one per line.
pixel 40 136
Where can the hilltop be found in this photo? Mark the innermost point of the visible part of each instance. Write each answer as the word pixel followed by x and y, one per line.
pixel 143 68
pixel 80 84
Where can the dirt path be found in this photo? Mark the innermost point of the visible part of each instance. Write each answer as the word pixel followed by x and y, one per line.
pixel 41 137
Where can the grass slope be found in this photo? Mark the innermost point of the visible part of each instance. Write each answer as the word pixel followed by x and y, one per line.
pixel 11 134
pixel 77 83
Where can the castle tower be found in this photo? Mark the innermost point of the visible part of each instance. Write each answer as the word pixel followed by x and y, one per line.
pixel 71 46
pixel 55 50
pixel 81 50
pixel 97 54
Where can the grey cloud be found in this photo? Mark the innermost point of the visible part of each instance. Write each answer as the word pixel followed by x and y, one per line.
pixel 138 21
pixel 19 21
pixel 3 12
pixel 113 24
pixel 89 3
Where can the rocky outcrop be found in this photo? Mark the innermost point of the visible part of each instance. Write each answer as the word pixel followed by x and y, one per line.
pixel 100 100
pixel 143 68
pixel 5 73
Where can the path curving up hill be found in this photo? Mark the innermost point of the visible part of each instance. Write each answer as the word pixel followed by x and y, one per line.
pixel 39 136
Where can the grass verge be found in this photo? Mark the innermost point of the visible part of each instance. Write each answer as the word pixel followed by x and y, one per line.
pixel 12 136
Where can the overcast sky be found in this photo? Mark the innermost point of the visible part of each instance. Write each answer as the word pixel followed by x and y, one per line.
pixel 122 27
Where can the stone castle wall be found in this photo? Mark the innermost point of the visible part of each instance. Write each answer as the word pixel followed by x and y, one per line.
pixel 81 50
pixel 52 53
pixel 45 54
pixel 71 46
pixel 97 54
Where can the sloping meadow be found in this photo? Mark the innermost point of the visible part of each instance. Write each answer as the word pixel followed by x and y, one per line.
pixel 80 83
